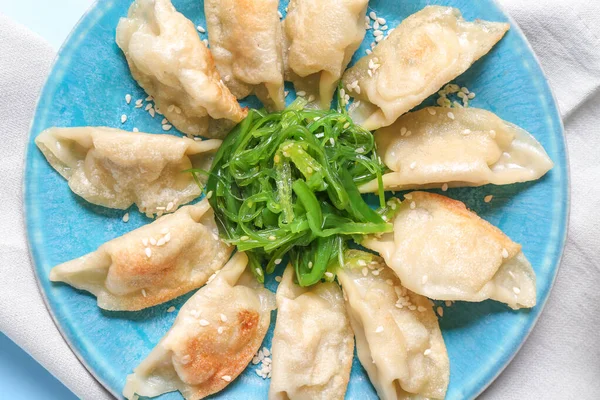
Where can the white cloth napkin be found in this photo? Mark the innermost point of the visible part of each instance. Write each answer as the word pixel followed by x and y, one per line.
pixel 560 360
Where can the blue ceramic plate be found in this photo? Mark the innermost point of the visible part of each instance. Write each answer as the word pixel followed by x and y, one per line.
pixel 87 86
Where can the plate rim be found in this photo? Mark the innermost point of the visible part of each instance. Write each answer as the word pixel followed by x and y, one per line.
pixel 561 239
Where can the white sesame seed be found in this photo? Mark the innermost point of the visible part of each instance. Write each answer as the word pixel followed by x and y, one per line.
pixel 203 322
pixel 384 28
pixel 362 263
pixel 280 14
pixel 148 252
pixel 128 98
pixel 145 241
pixel 360 150
pixel 149 98
pixel 258 271
pixel 375 25
pixel 223 317
pixel 440 311
pixel 170 206
pixel 161 208
pixel 170 309
pixel 504 253
pixel 471 95
pixel 167 127
pixel 431 111
pixel 381 21
pixel 311 98
pixel 136 129
pixel 126 217
pixel 278 261
pixel 408 196
pixel 165 121
pixel 444 187
pixel 346 125
pixel 448 303
pixel 413 165
pixel 379 329
pixel 278 279
pixel 205 41
pixel 365 271
pixel 376 273
pixel 466 132
pixel 153 241
pixel 220 330
pixel 450 115
pixel 377 33
pixel 403 131
pixel 488 198
pixel 368 51
pixel 209 194
pixel 516 290
pixel 424 279
pixel 286 93
pixel 378 39
pixel 152 112
pixel 493 133
pixel 167 237
pixel 148 106
pixel 373 15
pixel 412 307
pixel 123 118
pixel 329 274
pixel 413 205
pixel 144 292
pixel 310 264
pixel 201 29
pixel 421 309
pixel 427 352
pixel 332 141
pixel 226 378
pixel 301 93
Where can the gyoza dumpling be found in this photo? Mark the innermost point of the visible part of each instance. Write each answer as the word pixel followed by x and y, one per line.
pixel 246 41
pixel 441 250
pixel 398 338
pixel 321 37
pixel 428 49
pixel 115 168
pixel 215 335
pixel 313 343
pixel 457 147
pixel 153 264
pixel 167 58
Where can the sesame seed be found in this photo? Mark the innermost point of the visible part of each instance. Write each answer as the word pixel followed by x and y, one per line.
pixel 128 98
pixel 201 29
pixel 412 307
pixel 209 194
pixel 421 309
pixel 448 303
pixel 440 311
pixel 375 25
pixel 403 131
pixel 167 127
pixel 332 141
pixel 376 273
pixel 466 132
pixel 378 39
pixel 413 165
pixel 427 352
pixel 431 111
pixel 471 95
pixel 329 274
pixel 488 198
pixel 126 217
pixel 144 292
pixel 286 93
pixel 161 208
pixel 149 98
pixel 373 15
pixel 346 125
pixel 145 241
pixel 444 187
pixel 450 115
pixel 301 93
pixel 493 133
pixel 384 28
pixel 412 205
pixel 258 271
pixel 379 329
pixel 153 241
pixel 170 309
pixel 360 150
pixel 136 130
pixel 220 330
pixel 424 279
pixel 362 263
pixel 170 206
pixel 516 290
pixel 311 98
pixel 223 317
pixel 205 41
pixel 148 252
pixel 123 118
pixel 381 21
pixel 368 51
pixel 152 112
pixel 377 33
pixel 280 14
pixel 167 237
pixel 148 107
pixel 277 279
pixel 226 378
pixel 165 121
pixel 310 264
pixel 203 322
pixel 504 253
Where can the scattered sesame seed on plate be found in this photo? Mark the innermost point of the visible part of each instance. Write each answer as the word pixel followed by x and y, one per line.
pixel 123 118
pixel 126 217
pixel 167 127
pixel 203 322
pixel 381 21
pixel 226 378
pixel 153 241
pixel 301 93
pixel 201 29
pixel 488 198
pixel 220 330
pixel 278 278
pixel 144 292
pixel 444 187
pixel 516 290
pixel 148 252
pixel 136 129
pixel 504 253
pixel 427 352
pixel 440 311
pixel 170 309
pixel 424 279
pixel 128 98
pixel 152 112
pixel 373 15
pixel 279 14
pixel 379 329
pixel 413 205
pixel 450 115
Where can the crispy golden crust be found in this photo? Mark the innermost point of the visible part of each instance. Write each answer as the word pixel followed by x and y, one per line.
pixel 458 208
pixel 251 331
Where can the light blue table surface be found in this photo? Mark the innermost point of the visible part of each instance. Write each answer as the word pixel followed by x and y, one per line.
pixel 21 377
